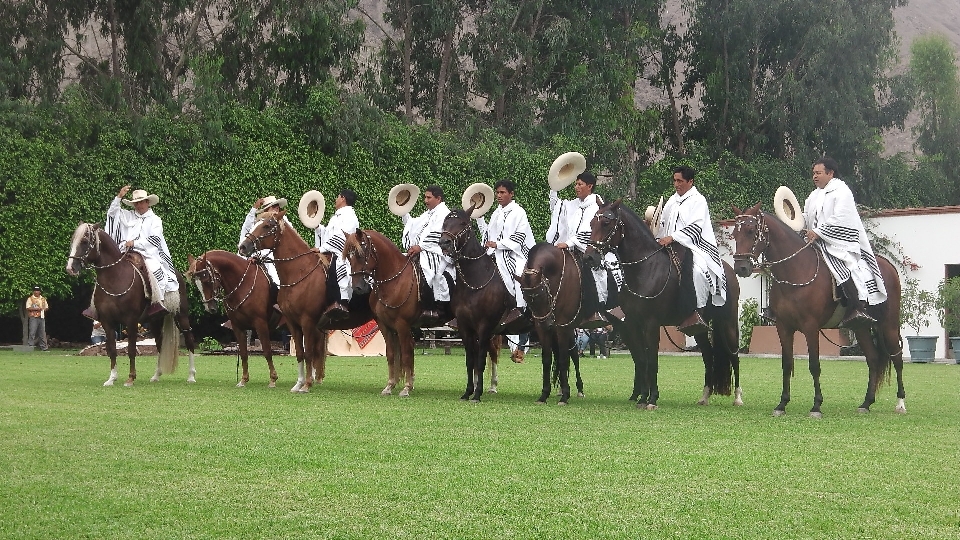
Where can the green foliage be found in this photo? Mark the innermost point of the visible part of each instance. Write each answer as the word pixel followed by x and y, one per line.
pixel 916 305
pixel 948 304
pixel 209 344
pixel 749 317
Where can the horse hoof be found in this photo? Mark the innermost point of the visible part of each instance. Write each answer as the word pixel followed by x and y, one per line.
pixel 304 390
pixel 386 393
pixel 701 402
pixel 581 394
pixel 191 379
pixel 651 407
pixel 404 393
pixel 641 405
pixel 477 400
pixel 108 382
pixel 540 402
pixel 561 403
pixel 154 379
pixel 778 412
pixel 738 402
pixel 816 414
pixel 296 388
pixel 492 391
pixel 241 384
pixel 863 410
pixel 901 410
pixel 128 384
pixel 272 385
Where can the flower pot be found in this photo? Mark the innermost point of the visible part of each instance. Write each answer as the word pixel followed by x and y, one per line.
pixel 955 345
pixel 922 348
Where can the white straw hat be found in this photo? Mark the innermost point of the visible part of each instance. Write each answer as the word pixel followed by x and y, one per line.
pixel 402 199
pixel 480 196
pixel 565 169
pixel 270 201
pixel 787 208
pixel 311 209
pixel 141 195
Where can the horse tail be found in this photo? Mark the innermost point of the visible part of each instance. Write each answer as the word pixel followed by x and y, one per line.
pixel 167 354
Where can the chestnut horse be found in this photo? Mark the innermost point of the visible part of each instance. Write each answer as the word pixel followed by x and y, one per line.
pixel 303 293
pixel 391 278
pixel 243 288
pixel 120 298
pixel 802 299
pixel 649 298
pixel 478 297
pixel 551 286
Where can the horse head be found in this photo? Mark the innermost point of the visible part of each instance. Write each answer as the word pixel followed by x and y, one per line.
pixel 535 285
pixel 204 275
pixel 265 235
pixel 362 255
pixel 84 248
pixel 456 232
pixel 606 233
pixel 751 237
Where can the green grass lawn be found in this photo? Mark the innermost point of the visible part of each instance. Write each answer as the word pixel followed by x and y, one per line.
pixel 208 460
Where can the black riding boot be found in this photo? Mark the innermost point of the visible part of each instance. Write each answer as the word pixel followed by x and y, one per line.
pixel 856 309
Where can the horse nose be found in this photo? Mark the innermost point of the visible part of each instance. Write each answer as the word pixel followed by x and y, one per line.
pixel 444 244
pixel 592 258
pixel 743 268
pixel 244 249
pixel 362 288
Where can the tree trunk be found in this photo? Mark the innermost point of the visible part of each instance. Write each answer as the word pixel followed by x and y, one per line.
pixel 407 53
pixel 446 53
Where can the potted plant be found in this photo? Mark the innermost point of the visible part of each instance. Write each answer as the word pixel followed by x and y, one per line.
pixel 916 307
pixel 948 307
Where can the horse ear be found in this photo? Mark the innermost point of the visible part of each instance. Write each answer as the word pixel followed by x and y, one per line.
pixel 755 207
pixel 736 210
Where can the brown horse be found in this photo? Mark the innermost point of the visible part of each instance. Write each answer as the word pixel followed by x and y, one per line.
pixel 303 293
pixel 551 286
pixel 120 297
pixel 802 298
pixel 391 279
pixel 243 288
pixel 479 297
pixel 650 296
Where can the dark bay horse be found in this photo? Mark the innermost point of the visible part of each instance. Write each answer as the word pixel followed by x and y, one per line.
pixel 802 298
pixel 243 288
pixel 650 296
pixel 478 297
pixel 303 293
pixel 551 286
pixel 392 280
pixel 120 297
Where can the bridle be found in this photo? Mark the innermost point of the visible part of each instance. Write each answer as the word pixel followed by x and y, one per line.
pixel 92 239
pixel 273 228
pixel 756 254
pixel 215 280
pixel 457 253
pixel 616 233
pixel 367 250
pixel 543 288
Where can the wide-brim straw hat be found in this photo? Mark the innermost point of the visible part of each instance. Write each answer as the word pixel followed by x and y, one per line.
pixel 270 201
pixel 141 195
pixel 311 209
pixel 480 196
pixel 565 170
pixel 652 215
pixel 787 208
pixel 402 199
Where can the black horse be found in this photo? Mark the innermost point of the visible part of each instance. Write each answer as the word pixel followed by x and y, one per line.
pixel 551 286
pixel 650 297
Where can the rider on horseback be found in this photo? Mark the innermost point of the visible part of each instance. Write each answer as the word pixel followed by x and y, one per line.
pixel 834 226
pixel 686 220
pixel 570 229
pixel 508 238
pixel 141 230
pixel 422 235
pixel 332 239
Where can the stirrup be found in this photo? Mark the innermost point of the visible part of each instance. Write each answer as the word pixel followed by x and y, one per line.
pixel 856 317
pixel 89 313
pixel 452 323
pixel 337 310
pixel 594 321
pixel 155 308
pixel 693 325
pixel 511 316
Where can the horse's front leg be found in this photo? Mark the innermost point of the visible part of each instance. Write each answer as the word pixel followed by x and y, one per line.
pixel 786 365
pixel 479 362
pixel 241 337
pixel 706 351
pixel 132 354
pixel 112 353
pixel 394 359
pixel 546 356
pixel 296 339
pixel 563 370
pixel 405 339
pixel 492 361
pixel 813 349
pixel 263 332
pixel 650 392
pixel 309 355
pixel 575 357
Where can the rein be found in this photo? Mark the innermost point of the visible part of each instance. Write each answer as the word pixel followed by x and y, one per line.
pixel 756 257
pixel 277 232
pixel 544 288
pixel 606 245
pixel 371 273
pixel 458 255
pixel 93 246
pixel 216 284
